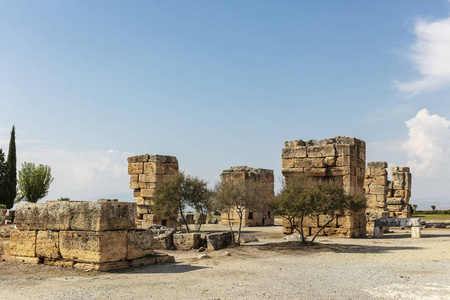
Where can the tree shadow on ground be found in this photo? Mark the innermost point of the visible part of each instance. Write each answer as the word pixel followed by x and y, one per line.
pixel 298 247
pixel 170 268
pixel 407 235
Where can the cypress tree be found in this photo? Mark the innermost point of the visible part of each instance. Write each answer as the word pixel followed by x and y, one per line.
pixel 11 172
pixel 2 177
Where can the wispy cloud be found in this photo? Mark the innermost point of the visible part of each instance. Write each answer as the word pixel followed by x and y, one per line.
pixel 430 55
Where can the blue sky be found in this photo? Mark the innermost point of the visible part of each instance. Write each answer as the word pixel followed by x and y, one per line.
pixel 219 84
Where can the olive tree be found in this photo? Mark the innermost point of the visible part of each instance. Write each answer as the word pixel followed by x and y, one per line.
pixel 239 196
pixel 173 196
pixel 304 197
pixel 34 182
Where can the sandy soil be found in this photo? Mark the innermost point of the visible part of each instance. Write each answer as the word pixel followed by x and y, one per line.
pixel 392 267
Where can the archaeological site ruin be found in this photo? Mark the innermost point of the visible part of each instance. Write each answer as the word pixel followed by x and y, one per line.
pixel 251 217
pixel 86 235
pixel 147 171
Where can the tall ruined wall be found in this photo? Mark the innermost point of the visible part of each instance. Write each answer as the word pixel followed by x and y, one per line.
pixel 147 172
pixel 399 193
pixel 341 159
pixel 257 217
pixel 375 186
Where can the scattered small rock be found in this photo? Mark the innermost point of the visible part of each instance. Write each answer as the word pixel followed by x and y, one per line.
pixel 203 256
pixel 293 237
pixel 201 249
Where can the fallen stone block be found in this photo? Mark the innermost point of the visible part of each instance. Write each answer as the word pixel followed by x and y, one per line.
pixel 186 241
pixel 217 241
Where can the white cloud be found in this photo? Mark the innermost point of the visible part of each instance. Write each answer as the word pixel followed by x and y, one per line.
pixel 82 175
pixel 431 56
pixel 428 146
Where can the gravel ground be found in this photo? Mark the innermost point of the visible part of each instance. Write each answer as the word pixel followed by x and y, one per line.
pixel 393 267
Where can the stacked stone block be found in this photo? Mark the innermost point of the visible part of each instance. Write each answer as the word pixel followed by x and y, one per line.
pixel 147 172
pixel 341 159
pixel 251 217
pixel 375 186
pixel 399 193
pixel 88 235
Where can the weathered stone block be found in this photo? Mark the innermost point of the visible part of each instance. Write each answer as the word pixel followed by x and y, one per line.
pixel 135 168
pixel 139 243
pixel 377 172
pixel 186 241
pixel 145 261
pixel 142 209
pixel 293 152
pixel 394 201
pixel 339 171
pixel 217 241
pixel 321 151
pixel 59 214
pixel 316 162
pixel 148 192
pixel 47 244
pixel 155 168
pixel 31 216
pixel 23 243
pixel 147 185
pixel 377 164
pixel 151 177
pixel 92 246
pixel 102 267
pixel 400 169
pixel 94 216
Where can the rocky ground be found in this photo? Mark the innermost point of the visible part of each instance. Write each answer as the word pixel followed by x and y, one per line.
pixel 392 267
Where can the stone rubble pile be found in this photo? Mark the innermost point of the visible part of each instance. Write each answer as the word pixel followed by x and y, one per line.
pixel 251 217
pixel 86 235
pixel 341 159
pixel 148 171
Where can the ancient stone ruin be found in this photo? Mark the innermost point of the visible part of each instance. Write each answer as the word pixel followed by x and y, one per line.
pixel 399 193
pixel 386 198
pixel 86 235
pixel 251 217
pixel 375 185
pixel 341 159
pixel 147 171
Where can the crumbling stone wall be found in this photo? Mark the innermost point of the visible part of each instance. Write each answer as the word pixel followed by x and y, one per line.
pixel 341 159
pixel 147 171
pixel 251 217
pixel 87 235
pixel 375 186
pixel 386 198
pixel 6 216
pixel 399 193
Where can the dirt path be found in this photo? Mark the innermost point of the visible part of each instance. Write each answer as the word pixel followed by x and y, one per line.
pixel 394 267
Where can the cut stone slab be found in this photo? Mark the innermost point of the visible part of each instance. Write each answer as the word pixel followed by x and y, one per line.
pixel 31 216
pixel 217 241
pixel 23 243
pixel 186 241
pixel 139 243
pixel 93 247
pixel 47 244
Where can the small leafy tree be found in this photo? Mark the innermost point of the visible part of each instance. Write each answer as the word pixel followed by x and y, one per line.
pixel 239 196
pixel 174 195
pixel 414 206
pixel 433 207
pixel 303 197
pixel 294 203
pixel 34 182
pixel 64 199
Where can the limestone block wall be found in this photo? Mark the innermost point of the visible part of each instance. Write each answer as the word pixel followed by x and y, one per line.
pixel 375 186
pixel 252 217
pixel 399 193
pixel 87 235
pixel 147 171
pixel 341 159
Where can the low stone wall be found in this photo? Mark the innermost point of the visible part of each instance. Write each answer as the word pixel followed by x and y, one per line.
pixel 87 235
